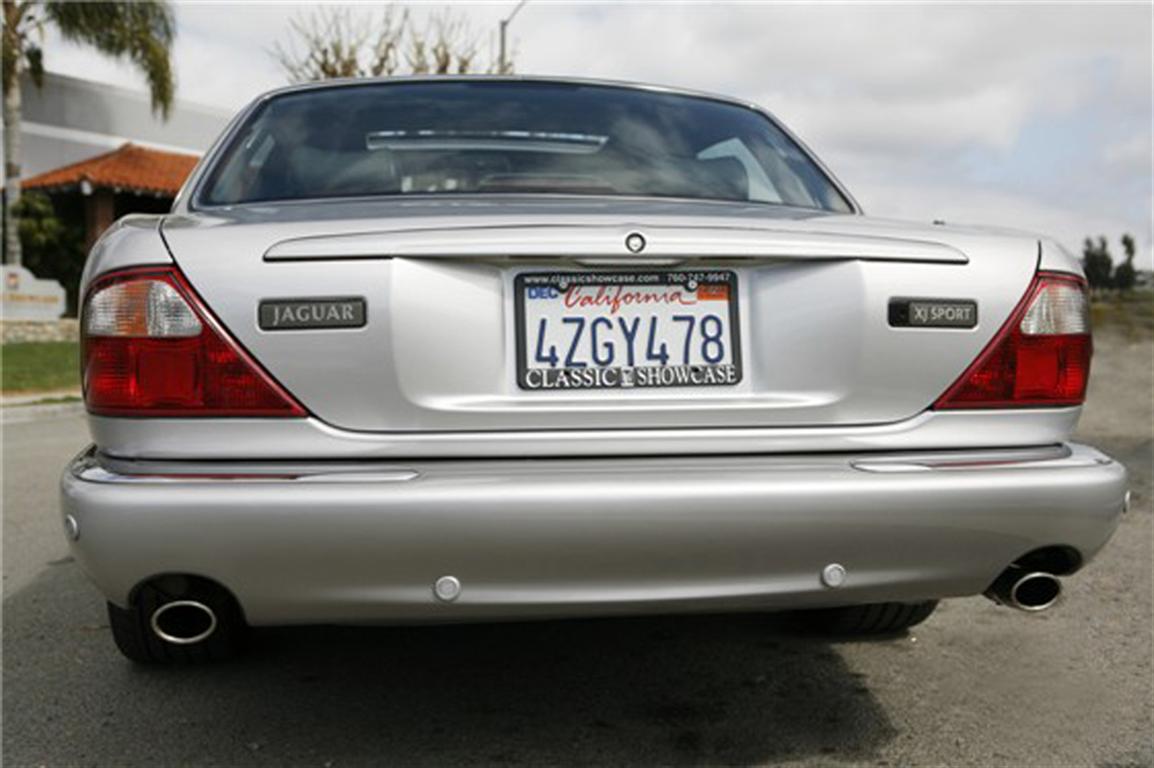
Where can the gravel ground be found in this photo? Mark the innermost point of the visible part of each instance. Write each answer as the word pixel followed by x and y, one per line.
pixel 976 685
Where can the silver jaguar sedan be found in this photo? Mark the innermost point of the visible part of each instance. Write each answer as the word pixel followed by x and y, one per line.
pixel 452 349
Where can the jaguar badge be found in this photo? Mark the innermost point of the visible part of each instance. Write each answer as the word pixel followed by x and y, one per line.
pixel 300 314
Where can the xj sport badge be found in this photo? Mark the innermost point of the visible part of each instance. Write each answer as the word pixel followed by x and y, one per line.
pixel 297 314
pixel 933 313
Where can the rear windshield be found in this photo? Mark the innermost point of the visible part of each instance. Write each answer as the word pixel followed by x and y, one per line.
pixel 501 137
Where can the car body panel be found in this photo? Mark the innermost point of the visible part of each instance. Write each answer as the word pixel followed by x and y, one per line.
pixel 240 439
pixel 436 353
pixel 588 536
pixel 132 241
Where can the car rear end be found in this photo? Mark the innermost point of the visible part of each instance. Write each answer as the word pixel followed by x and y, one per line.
pixel 629 351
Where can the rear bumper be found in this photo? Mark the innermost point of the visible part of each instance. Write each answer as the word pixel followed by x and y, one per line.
pixel 366 542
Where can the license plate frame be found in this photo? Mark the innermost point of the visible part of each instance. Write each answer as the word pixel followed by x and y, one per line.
pixel 696 278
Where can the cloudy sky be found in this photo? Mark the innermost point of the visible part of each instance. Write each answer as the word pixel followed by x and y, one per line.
pixel 1029 115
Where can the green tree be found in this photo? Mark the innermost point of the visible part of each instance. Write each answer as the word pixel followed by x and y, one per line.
pixel 1097 262
pixel 141 32
pixel 51 247
pixel 1125 274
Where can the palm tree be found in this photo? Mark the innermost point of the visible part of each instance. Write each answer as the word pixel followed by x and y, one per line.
pixel 140 31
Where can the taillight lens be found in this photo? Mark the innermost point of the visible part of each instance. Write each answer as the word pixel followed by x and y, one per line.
pixel 150 348
pixel 1040 357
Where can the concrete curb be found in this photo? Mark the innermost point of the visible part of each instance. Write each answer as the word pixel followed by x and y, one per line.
pixel 12 414
pixel 36 398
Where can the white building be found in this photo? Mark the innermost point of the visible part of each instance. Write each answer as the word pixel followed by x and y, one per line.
pixel 69 119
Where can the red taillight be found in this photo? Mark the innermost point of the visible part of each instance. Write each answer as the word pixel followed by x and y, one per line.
pixel 1040 357
pixel 150 348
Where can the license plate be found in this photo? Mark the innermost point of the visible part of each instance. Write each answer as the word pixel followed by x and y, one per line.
pixel 619 330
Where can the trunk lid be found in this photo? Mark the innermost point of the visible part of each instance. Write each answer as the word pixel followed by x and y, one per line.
pixel 438 350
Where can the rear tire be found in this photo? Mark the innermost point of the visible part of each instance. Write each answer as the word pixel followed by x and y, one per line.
pixel 132 630
pixel 871 619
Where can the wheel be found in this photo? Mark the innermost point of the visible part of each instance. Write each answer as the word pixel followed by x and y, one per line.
pixel 196 636
pixel 870 619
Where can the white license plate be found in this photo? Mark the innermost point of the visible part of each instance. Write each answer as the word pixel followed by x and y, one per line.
pixel 610 330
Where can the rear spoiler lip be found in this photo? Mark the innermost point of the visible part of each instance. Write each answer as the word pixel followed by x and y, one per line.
pixel 528 240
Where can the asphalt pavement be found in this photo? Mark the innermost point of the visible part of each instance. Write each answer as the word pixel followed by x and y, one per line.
pixel 976 685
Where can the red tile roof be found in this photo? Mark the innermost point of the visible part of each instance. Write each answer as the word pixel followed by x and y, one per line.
pixel 129 167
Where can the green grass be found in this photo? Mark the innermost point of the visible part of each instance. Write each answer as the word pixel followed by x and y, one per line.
pixel 1132 314
pixel 39 366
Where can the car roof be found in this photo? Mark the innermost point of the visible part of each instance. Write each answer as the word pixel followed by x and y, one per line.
pixel 351 82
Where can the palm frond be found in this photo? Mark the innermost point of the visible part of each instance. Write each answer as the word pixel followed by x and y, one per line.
pixel 140 31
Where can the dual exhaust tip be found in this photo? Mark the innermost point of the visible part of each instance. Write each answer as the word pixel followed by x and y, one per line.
pixel 1025 590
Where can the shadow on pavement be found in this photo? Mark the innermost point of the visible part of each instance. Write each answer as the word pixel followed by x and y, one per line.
pixel 717 689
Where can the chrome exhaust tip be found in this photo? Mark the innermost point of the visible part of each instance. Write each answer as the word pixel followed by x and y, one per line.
pixel 183 622
pixel 1030 591
pixel 1035 591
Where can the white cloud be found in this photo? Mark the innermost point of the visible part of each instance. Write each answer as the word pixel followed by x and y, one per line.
pixel 1131 152
pixel 969 205
pixel 991 117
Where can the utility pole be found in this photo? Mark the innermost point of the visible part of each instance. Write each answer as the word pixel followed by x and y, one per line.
pixel 503 66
